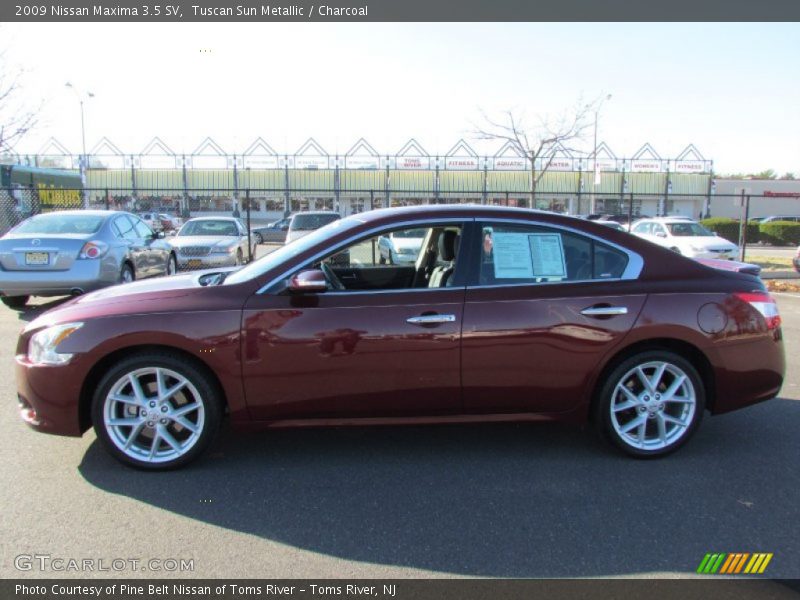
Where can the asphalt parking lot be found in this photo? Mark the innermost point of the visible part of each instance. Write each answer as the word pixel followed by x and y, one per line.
pixel 479 500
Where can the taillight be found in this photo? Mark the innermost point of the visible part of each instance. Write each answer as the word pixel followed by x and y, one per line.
pixel 764 304
pixel 93 250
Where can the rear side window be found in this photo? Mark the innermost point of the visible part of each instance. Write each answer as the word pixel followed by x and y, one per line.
pixel 124 229
pixel 514 254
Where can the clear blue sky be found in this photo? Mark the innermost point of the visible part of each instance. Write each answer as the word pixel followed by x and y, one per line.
pixel 731 89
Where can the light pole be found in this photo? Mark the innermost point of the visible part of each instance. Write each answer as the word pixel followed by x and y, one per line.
pixel 598 106
pixel 83 163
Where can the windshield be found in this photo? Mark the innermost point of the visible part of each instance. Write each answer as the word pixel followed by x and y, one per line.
pixel 55 223
pixel 209 227
pixel 284 253
pixel 688 229
pixel 311 222
pixel 410 233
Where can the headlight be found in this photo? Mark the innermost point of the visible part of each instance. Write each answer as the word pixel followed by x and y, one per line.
pixel 42 348
pixel 224 249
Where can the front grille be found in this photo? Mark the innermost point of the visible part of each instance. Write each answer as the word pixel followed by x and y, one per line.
pixel 195 251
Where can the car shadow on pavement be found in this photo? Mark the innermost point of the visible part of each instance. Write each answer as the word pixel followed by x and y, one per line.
pixel 31 311
pixel 496 500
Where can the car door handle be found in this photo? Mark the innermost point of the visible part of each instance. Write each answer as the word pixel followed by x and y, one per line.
pixel 604 311
pixel 431 319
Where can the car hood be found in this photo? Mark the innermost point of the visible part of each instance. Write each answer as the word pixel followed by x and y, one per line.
pixel 704 241
pixel 406 243
pixel 202 240
pixel 159 295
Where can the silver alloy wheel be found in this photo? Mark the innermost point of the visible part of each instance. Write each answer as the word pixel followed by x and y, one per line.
pixel 153 415
pixel 653 405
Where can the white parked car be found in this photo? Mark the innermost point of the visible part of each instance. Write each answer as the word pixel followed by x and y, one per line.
pixel 401 247
pixel 686 237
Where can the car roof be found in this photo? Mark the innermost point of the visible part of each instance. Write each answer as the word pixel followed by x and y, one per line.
pixel 315 212
pixel 88 212
pixel 675 219
pixel 234 219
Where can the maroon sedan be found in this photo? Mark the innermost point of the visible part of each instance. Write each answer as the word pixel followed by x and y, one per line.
pixel 505 314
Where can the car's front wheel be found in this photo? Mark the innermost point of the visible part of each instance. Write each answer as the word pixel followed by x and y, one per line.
pixel 257 238
pixel 156 411
pixel 15 302
pixel 651 403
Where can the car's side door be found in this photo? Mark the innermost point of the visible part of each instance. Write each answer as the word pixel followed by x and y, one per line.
pixel 378 343
pixel 154 252
pixel 125 228
pixel 543 306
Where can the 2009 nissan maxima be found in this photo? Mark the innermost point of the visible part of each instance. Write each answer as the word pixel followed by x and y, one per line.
pixel 506 314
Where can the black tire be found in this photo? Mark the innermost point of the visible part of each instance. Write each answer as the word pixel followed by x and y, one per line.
pixel 208 395
pixel 239 257
pixel 257 238
pixel 676 250
pixel 655 410
pixel 15 302
pixel 127 274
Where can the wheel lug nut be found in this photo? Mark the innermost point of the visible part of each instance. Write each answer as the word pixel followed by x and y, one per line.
pixel 143 413
pixel 150 424
pixel 152 405
pixel 647 398
pixel 163 421
pixel 163 409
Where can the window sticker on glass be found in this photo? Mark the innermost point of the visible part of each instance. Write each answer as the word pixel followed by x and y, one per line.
pixel 547 252
pixel 512 256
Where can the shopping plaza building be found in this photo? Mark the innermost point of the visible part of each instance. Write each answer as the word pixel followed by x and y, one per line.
pixel 269 183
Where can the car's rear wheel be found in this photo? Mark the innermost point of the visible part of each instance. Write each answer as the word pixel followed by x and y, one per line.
pixel 651 404
pixel 15 302
pixel 156 411
pixel 126 275
pixel 257 238
pixel 172 265
pixel 239 257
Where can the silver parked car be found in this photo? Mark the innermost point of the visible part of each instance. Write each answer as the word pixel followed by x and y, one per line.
pixel 401 247
pixel 77 251
pixel 207 242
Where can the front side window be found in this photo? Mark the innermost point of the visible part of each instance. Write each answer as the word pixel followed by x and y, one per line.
pixel 400 259
pixel 514 254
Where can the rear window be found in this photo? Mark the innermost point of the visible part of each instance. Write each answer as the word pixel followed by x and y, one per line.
pixel 311 222
pixel 54 223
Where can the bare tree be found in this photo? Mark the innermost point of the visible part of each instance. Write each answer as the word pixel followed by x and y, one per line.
pixel 539 143
pixel 16 119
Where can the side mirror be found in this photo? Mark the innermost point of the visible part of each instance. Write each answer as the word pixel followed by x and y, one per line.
pixel 284 227
pixel 313 281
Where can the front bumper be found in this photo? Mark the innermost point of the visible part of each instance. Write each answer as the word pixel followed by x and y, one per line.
pixel 49 396
pixel 728 255
pixel 208 261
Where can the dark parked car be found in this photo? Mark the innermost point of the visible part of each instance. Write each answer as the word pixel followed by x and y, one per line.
pixel 274 233
pixel 77 251
pixel 506 314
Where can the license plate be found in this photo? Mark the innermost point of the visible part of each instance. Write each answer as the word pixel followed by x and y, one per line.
pixel 195 262
pixel 37 258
